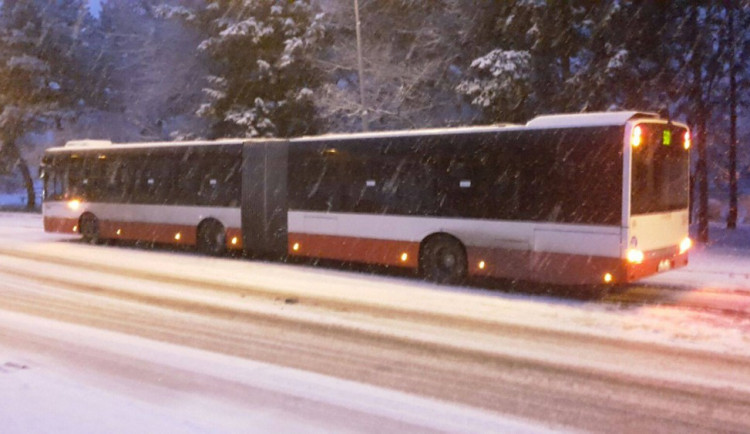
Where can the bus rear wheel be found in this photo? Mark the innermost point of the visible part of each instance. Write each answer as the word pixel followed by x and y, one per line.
pixel 89 228
pixel 442 259
pixel 212 238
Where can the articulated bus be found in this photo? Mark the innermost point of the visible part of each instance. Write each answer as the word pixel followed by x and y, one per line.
pixel 569 199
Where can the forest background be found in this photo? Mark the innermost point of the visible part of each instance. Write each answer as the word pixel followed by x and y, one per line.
pixel 148 70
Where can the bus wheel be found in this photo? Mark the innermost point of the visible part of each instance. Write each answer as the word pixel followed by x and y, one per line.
pixel 89 228
pixel 212 238
pixel 442 259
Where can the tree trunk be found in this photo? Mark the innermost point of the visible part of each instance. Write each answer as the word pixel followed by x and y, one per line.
pixel 732 216
pixel 701 112
pixel 701 175
pixel 28 180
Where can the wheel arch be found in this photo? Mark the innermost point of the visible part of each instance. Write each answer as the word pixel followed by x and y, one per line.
pixel 435 235
pixel 211 236
pixel 86 214
pixel 209 220
pixel 95 236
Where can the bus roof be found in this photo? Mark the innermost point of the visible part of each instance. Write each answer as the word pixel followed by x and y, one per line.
pixel 87 144
pixel 574 120
pixel 588 119
pixel 405 133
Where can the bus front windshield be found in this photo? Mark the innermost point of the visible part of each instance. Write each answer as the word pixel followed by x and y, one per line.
pixel 660 174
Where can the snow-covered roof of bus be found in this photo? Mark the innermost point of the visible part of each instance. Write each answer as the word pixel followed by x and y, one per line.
pixel 587 119
pixel 405 133
pixel 86 144
pixel 545 121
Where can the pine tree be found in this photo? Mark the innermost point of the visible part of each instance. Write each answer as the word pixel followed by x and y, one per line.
pixel 262 71
pixel 40 74
pixel 534 58
pixel 152 74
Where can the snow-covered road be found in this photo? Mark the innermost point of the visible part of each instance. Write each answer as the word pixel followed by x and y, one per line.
pixel 123 338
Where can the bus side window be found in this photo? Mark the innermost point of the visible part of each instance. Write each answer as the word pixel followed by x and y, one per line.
pixel 409 188
pixel 224 180
pixel 75 177
pixel 57 178
pixel 360 186
pixel 95 175
pixel 118 179
pixel 126 178
pixel 145 181
pixel 110 186
pixel 219 180
pixel 164 169
pixel 211 169
pixel 504 196
pixel 187 178
pixel 455 186
pixel 319 180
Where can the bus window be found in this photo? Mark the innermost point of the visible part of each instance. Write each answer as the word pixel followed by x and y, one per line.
pixel 660 172
pixel 56 179
pixel 76 176
pixel 147 181
pixel 219 181
pixel 118 179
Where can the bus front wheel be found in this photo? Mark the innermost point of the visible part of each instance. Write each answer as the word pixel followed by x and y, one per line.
pixel 212 239
pixel 442 259
pixel 89 228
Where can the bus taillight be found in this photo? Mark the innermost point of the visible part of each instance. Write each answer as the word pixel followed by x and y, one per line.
pixel 687 140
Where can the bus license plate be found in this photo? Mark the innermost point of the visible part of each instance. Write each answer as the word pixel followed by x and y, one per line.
pixel 665 265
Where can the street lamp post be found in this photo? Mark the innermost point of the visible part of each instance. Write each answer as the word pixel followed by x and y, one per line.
pixel 359 67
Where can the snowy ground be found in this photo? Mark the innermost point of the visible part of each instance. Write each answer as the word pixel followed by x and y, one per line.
pixel 724 263
pixel 702 309
pixel 37 395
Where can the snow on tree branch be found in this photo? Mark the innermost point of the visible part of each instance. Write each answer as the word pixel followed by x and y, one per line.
pixel 262 69
pixel 501 76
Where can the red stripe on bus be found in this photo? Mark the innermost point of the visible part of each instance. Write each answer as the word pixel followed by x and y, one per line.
pixel 366 250
pixel 61 225
pixel 562 268
pixel 650 266
pixel 137 231
pixel 151 232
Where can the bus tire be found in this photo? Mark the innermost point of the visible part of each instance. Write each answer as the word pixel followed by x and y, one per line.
pixel 442 259
pixel 212 238
pixel 88 226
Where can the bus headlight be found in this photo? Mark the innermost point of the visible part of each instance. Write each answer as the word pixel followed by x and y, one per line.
pixel 635 256
pixel 685 245
pixel 74 204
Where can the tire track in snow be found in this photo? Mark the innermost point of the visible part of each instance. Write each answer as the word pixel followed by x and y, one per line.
pixel 416 361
